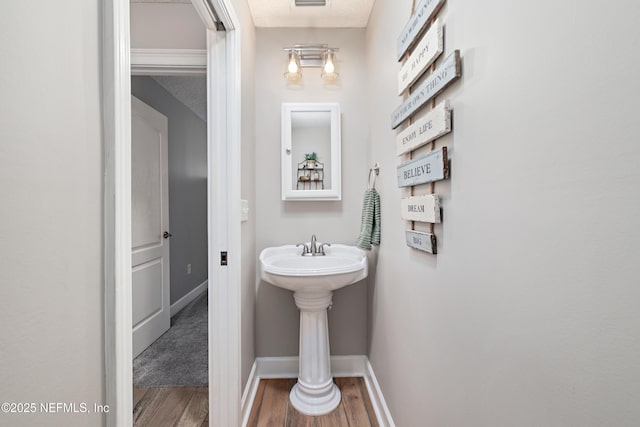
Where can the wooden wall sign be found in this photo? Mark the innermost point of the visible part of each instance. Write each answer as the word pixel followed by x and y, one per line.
pixel 429 128
pixel 433 166
pixel 425 53
pixel 422 241
pixel 421 208
pixel 426 10
pixel 448 72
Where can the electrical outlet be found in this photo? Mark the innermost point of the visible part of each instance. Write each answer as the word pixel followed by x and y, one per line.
pixel 188 268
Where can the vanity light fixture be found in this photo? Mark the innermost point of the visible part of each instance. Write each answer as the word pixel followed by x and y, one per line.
pixel 311 55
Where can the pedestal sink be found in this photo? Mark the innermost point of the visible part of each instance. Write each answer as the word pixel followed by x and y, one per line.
pixel 313 280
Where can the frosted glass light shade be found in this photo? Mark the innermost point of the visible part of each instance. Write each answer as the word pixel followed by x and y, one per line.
pixel 293 68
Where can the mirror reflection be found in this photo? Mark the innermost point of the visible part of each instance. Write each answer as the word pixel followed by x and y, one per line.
pixel 311 149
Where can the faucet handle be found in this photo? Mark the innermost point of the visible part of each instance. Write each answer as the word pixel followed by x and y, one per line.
pixel 305 248
pixel 322 245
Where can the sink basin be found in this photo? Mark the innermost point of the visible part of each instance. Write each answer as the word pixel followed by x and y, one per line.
pixel 313 280
pixel 285 267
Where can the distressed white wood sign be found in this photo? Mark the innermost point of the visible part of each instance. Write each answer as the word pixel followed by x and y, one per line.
pixel 429 128
pixel 422 241
pixel 421 208
pixel 426 10
pixel 425 53
pixel 433 166
pixel 448 72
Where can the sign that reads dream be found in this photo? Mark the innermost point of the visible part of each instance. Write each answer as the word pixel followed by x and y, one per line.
pixel 421 208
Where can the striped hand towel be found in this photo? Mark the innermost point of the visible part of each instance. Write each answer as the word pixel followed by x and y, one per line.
pixel 370 227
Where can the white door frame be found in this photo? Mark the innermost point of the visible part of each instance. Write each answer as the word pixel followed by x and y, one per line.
pixel 223 212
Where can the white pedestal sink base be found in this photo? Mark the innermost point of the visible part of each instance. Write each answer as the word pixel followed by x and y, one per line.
pixel 315 393
pixel 317 405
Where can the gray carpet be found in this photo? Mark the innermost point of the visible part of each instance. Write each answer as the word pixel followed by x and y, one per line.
pixel 179 356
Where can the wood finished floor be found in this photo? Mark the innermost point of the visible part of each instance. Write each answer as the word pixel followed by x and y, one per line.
pixel 271 407
pixel 171 406
pixel 189 406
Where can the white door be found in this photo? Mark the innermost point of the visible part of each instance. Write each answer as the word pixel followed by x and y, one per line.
pixel 149 225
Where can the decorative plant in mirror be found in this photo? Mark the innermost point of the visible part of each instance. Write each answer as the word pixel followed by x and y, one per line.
pixel 311 159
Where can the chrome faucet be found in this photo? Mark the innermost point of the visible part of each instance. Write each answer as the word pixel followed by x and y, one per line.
pixel 305 248
pixel 313 249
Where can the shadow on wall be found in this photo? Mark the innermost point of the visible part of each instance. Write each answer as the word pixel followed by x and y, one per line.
pixel 372 258
pixel 278 332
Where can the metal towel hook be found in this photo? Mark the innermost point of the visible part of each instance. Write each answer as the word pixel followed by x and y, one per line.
pixel 376 169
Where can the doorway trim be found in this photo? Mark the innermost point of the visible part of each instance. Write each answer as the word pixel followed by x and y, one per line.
pixel 162 62
pixel 223 146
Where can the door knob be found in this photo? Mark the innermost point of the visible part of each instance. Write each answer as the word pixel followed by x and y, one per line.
pixel 166 235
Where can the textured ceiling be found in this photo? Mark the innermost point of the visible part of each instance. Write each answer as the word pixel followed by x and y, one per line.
pixel 190 90
pixel 336 14
pixel 284 13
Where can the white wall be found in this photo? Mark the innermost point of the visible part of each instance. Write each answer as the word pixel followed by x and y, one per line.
pixel 166 26
pixel 278 222
pixel 529 315
pixel 248 190
pixel 51 278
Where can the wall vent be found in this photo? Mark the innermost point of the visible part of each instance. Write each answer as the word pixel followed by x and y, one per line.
pixel 310 2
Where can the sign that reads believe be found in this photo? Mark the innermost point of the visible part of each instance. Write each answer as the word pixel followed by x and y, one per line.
pixel 429 128
pixel 422 241
pixel 448 72
pixel 421 208
pixel 433 166
pixel 426 10
pixel 425 53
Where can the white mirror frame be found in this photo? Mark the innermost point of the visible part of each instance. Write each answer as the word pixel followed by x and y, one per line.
pixel 287 164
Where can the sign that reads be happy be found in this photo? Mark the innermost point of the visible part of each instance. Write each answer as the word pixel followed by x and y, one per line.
pixel 425 53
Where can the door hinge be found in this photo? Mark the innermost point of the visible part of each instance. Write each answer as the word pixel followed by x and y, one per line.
pixel 223 258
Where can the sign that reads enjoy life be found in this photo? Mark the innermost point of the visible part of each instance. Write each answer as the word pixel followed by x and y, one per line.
pixel 432 126
pixel 425 53
pixel 438 81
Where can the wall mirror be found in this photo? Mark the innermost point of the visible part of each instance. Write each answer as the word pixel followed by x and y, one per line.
pixel 311 151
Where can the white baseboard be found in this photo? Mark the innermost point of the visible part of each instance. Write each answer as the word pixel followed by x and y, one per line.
pixel 341 366
pixel 377 399
pixel 249 394
pixel 192 295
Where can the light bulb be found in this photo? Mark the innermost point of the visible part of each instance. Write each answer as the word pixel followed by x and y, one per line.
pixel 329 67
pixel 293 67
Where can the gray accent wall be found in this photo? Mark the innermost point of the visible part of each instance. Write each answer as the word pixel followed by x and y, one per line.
pixel 279 222
pixel 528 316
pixel 187 185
